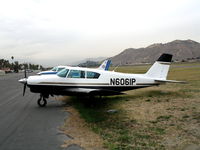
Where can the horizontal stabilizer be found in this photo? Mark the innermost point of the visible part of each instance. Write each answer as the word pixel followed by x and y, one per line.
pixel 169 81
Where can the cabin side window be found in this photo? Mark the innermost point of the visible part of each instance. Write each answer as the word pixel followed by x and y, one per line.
pixel 92 75
pixel 76 74
pixel 63 73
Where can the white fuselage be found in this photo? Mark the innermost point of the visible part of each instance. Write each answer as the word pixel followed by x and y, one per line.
pixel 85 81
pixel 106 79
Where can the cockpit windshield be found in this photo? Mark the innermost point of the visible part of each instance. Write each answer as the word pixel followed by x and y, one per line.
pixel 63 73
pixel 59 69
pixel 54 69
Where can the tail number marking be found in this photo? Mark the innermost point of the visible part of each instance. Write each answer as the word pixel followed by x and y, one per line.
pixel 122 81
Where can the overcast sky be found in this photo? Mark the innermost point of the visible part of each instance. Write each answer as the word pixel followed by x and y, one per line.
pixel 53 32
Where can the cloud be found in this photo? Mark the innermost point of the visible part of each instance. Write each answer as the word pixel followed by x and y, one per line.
pixel 63 31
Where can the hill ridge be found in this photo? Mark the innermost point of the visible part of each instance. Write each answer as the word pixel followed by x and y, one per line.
pixel 182 50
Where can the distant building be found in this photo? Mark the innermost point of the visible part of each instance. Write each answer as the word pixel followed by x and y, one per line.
pixel 6 70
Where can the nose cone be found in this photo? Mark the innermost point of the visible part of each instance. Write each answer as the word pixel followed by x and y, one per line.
pixel 23 81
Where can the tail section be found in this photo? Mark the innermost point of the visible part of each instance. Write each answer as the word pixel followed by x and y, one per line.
pixel 105 65
pixel 160 68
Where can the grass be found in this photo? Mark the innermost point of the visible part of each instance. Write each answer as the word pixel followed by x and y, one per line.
pixel 164 118
pixel 148 118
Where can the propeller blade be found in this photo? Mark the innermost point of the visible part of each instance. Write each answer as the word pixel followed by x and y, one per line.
pixel 24 81
pixel 24 90
pixel 25 76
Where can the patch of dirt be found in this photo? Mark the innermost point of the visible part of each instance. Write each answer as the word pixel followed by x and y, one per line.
pixel 76 128
pixel 178 116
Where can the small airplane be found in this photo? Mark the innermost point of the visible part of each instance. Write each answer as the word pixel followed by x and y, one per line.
pixel 104 66
pixel 96 82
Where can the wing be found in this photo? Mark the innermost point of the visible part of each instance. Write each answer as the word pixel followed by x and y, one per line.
pixel 86 91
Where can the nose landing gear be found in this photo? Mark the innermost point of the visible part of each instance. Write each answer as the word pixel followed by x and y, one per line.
pixel 42 102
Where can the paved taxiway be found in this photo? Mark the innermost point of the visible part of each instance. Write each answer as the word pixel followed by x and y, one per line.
pixel 24 125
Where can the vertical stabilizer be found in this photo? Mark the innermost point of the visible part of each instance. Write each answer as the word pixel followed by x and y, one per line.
pixel 160 68
pixel 105 65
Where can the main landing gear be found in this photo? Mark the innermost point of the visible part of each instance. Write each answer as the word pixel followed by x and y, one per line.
pixel 42 101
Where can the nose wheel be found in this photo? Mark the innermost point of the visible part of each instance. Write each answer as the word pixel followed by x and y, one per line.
pixel 42 102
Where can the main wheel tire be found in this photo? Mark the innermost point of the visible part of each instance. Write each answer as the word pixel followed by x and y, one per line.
pixel 42 102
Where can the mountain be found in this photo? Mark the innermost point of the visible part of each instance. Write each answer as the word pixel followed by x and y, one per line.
pixel 182 50
pixel 89 64
pixel 92 60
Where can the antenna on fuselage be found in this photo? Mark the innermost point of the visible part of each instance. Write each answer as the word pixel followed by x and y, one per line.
pixel 116 67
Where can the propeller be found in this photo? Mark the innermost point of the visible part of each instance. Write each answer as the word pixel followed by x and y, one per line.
pixel 25 75
pixel 24 90
pixel 25 83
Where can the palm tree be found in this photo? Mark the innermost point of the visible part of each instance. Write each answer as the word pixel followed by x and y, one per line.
pixel 12 57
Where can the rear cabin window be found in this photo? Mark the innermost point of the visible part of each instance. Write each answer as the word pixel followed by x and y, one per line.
pixel 92 75
pixel 76 74
pixel 63 73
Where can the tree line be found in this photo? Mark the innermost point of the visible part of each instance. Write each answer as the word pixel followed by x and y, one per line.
pixel 16 66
